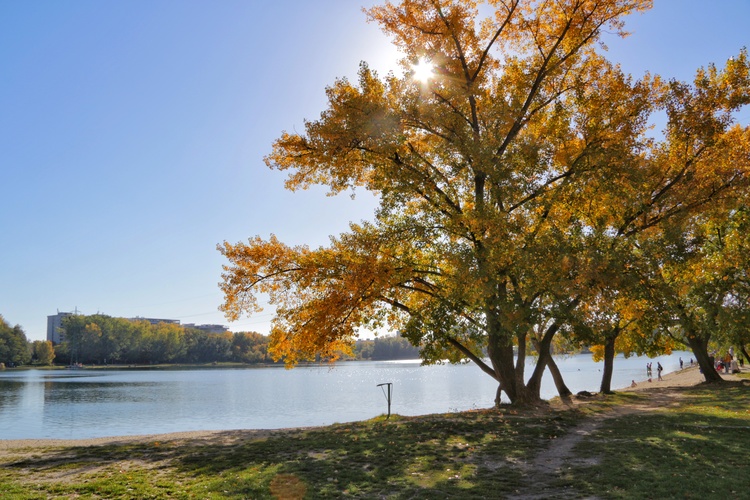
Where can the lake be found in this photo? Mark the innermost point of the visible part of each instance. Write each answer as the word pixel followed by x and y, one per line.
pixel 77 404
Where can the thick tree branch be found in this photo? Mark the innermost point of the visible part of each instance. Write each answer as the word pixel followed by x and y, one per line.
pixel 477 360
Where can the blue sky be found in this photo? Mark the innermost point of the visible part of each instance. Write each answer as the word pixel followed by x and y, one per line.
pixel 132 135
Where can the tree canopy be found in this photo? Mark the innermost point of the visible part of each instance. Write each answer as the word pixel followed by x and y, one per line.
pixel 14 347
pixel 515 185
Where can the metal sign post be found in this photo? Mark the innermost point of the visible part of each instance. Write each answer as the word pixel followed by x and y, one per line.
pixel 387 395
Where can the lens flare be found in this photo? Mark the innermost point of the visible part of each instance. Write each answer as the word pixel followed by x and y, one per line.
pixel 423 70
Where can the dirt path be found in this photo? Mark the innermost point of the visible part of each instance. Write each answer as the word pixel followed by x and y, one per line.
pixel 544 472
pixel 548 467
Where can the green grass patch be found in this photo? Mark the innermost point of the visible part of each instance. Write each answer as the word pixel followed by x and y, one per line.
pixel 465 455
pixel 699 449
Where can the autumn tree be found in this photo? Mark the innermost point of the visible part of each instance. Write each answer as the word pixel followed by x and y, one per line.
pixel 467 166
pixel 619 324
pixel 735 266
pixel 43 352
pixel 697 288
pixel 702 172
pixel 492 173
pixel 699 168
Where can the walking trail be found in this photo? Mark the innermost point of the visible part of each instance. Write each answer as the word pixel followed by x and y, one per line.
pixel 546 469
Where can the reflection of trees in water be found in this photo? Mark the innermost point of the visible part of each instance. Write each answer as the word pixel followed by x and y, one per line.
pixel 80 391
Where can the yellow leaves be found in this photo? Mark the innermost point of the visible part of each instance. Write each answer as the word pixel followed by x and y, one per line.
pixel 521 170
pixel 567 263
pixel 597 352
pixel 262 264
pixel 92 331
pixel 419 25
pixel 360 128
pixel 559 29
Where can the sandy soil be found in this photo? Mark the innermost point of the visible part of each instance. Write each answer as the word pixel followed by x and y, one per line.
pixel 683 378
pixel 190 437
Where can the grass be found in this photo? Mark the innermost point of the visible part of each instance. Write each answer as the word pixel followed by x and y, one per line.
pixel 699 449
pixel 468 454
pixel 681 452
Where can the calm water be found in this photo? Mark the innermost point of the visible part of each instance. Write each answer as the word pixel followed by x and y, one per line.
pixel 75 404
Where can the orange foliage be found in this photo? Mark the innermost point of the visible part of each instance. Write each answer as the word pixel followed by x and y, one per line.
pixel 512 183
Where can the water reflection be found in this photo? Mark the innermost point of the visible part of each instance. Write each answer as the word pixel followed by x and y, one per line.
pixel 10 391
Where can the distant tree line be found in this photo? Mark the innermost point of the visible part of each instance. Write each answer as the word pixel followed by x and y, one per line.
pixel 386 348
pixel 16 350
pixel 101 339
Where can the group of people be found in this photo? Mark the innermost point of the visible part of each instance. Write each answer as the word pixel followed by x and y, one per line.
pixel 659 369
pixel 728 363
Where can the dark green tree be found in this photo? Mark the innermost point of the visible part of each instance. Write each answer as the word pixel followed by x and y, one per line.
pixel 15 349
pixel 249 347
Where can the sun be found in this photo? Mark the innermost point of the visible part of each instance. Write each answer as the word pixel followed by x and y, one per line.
pixel 423 70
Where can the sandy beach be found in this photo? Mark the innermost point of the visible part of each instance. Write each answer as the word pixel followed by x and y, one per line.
pixel 682 378
pixel 192 437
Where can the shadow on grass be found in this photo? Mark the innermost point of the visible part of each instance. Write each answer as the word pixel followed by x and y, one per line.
pixel 699 449
pixel 470 455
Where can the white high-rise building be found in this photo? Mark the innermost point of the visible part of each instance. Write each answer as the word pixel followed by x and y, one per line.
pixel 55 333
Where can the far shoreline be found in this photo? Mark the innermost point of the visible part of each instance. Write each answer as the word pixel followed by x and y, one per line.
pixel 184 366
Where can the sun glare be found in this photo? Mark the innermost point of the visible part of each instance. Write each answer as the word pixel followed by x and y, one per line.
pixel 423 70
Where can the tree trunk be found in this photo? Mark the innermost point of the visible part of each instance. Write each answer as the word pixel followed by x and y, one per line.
pixel 546 361
pixel 562 389
pixel 609 364
pixel 499 395
pixel 534 384
pixel 699 346
pixel 502 358
pixel 509 375
pixel 520 360
pixel 743 350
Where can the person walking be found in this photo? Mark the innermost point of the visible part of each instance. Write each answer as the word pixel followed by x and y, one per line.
pixel 728 360
pixel 659 369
